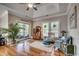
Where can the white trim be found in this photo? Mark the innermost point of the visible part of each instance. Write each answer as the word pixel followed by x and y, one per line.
pixel 69 7
pixel 58 7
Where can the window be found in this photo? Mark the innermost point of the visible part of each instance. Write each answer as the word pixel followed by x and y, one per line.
pixel 45 29
pixel 24 29
pixel 55 28
pixel 21 29
pixel 52 27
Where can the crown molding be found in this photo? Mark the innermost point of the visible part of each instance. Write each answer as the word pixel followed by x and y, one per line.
pixel 49 16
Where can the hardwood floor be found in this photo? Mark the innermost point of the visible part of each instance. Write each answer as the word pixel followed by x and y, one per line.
pixel 21 49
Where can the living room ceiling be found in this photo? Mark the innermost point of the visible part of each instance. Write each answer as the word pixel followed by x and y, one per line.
pixel 44 9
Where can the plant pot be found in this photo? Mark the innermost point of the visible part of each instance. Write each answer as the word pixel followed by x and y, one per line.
pixel 14 41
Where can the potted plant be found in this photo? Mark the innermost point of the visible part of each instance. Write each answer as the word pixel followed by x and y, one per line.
pixel 12 31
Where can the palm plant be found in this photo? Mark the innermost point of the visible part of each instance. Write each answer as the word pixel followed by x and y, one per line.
pixel 13 31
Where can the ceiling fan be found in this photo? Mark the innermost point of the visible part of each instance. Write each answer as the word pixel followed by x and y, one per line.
pixel 32 6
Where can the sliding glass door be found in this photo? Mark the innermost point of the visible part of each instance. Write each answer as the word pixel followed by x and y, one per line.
pixel 24 29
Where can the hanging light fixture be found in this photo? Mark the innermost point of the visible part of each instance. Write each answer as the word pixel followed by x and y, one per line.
pixel 30 5
pixel 33 6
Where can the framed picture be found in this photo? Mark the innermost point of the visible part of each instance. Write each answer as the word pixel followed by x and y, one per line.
pixel 73 18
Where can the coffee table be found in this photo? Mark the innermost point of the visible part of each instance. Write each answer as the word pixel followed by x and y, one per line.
pixel 39 47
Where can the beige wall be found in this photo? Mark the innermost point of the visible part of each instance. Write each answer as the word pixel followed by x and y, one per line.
pixel 75 32
pixel 13 19
pixel 61 19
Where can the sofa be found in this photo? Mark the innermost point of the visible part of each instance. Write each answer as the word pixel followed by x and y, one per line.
pixel 2 40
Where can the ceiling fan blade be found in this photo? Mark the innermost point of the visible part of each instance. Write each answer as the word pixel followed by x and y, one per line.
pixel 27 8
pixel 37 3
pixel 35 8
